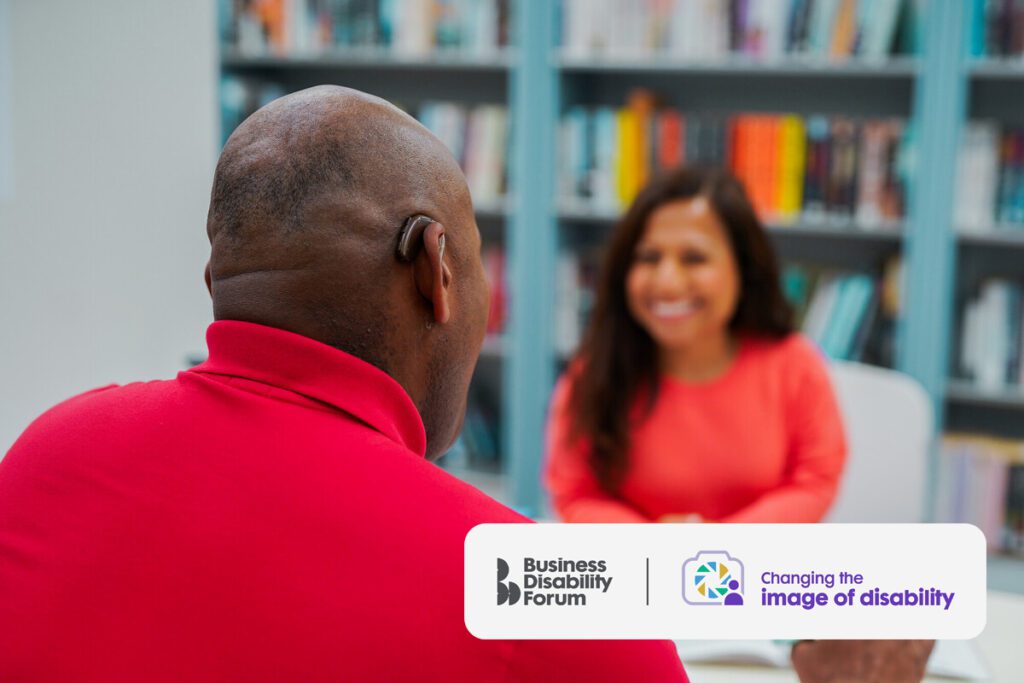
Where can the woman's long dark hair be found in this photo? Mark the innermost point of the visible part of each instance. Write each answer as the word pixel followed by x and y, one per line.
pixel 618 359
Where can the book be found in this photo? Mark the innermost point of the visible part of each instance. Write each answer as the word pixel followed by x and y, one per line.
pixel 792 152
pixel 879 29
pixel 632 152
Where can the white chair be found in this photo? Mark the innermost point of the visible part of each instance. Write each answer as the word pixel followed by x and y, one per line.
pixel 889 422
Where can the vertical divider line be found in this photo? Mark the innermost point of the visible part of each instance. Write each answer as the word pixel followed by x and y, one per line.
pixel 647 582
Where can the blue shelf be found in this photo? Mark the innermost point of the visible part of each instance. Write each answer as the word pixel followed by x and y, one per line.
pixel 1000 238
pixel 897 68
pixel 999 69
pixel 532 247
pixel 373 58
pixel 965 392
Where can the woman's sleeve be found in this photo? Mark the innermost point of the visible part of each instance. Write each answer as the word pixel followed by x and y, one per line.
pixel 575 492
pixel 817 445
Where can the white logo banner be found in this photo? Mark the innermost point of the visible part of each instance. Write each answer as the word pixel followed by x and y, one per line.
pixel 721 581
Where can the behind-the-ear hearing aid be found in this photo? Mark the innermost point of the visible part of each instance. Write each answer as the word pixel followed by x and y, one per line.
pixel 412 235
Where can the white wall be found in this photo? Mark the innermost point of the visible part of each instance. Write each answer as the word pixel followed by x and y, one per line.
pixel 102 246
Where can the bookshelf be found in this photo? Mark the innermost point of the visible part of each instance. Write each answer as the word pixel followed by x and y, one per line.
pixel 936 90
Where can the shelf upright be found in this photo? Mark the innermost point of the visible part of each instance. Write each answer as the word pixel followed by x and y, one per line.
pixel 531 246
pixel 939 109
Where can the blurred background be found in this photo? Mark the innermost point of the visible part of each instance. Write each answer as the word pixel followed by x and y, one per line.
pixel 882 142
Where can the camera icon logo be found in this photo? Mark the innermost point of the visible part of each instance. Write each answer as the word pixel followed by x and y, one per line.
pixel 713 577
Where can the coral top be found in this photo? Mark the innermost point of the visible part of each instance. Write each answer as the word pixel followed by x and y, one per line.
pixel 763 442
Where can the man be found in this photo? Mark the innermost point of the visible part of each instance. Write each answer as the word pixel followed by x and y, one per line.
pixel 269 515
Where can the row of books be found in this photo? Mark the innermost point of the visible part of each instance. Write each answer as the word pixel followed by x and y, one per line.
pixel 990 335
pixel 478 138
pixel 816 167
pixel 997 28
pixel 476 135
pixel 980 481
pixel 990 177
pixel 408 28
pixel 850 315
pixel 703 30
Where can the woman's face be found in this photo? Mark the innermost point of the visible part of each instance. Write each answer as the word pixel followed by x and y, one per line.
pixel 684 284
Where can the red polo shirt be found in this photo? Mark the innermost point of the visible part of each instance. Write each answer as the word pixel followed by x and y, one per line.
pixel 266 516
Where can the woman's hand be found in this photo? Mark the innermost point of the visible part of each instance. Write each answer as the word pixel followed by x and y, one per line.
pixel 692 518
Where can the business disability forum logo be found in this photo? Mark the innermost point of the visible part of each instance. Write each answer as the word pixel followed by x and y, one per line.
pixel 553 583
pixel 507 591
pixel 713 577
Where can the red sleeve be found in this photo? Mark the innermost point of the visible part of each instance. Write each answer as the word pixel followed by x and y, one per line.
pixel 575 492
pixel 817 444
pixel 596 661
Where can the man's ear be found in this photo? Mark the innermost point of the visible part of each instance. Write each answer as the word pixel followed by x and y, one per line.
pixel 209 280
pixel 433 277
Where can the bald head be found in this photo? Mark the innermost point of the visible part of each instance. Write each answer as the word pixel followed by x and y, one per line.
pixel 309 197
pixel 326 140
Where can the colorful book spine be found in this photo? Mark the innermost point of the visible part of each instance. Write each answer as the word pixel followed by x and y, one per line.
pixel 792 152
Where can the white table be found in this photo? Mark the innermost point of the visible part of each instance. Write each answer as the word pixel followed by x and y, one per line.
pixel 1000 644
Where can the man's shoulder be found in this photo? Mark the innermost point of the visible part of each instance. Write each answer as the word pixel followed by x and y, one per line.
pixel 451 495
pixel 97 404
pixel 99 420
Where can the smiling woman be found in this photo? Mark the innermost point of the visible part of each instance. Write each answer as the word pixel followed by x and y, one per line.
pixel 691 398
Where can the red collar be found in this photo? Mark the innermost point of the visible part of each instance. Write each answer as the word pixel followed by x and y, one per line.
pixel 305 366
